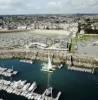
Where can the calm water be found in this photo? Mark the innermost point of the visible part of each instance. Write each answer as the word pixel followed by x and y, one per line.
pixel 74 85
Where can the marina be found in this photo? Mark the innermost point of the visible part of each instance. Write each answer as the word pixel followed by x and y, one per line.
pixel 48 50
pixel 22 88
pixel 30 74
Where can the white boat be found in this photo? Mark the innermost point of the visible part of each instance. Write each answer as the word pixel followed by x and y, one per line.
pixel 1 99
pixel 15 72
pixel 26 86
pixel 48 67
pixel 49 91
pixel 32 87
pixel 60 66
pixel 18 88
pixel 27 61
pixel 58 96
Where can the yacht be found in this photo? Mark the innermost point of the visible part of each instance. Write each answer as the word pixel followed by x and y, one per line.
pixel 48 67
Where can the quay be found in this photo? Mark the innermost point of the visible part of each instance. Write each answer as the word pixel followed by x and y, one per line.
pixel 22 88
pixel 58 57
pixel 7 72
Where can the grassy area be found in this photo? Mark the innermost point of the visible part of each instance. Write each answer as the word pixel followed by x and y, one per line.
pixel 87 37
pixel 82 38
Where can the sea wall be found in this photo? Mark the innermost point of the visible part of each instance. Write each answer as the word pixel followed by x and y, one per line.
pixel 57 57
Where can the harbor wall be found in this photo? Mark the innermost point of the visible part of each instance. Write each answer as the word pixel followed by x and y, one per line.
pixel 57 57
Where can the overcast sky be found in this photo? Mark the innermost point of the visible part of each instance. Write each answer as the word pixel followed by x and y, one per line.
pixel 48 6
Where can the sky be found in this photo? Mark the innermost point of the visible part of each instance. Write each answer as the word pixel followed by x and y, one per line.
pixel 48 6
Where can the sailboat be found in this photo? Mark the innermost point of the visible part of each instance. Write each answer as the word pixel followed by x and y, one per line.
pixel 48 67
pixel 49 63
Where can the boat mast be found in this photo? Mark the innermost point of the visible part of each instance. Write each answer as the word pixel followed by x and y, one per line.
pixel 49 62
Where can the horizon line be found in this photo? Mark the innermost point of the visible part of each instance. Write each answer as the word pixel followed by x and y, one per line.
pixel 53 14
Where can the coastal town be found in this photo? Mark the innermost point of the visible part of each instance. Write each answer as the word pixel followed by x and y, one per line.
pixel 48 49
pixel 49 22
pixel 37 32
pixel 72 33
pixel 58 42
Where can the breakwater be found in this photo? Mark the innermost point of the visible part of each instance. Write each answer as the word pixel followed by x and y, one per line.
pixel 57 57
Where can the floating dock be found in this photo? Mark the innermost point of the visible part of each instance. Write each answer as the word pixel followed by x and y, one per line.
pixel 88 70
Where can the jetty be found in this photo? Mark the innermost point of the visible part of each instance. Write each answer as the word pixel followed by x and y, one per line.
pixel 88 70
pixel 7 72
